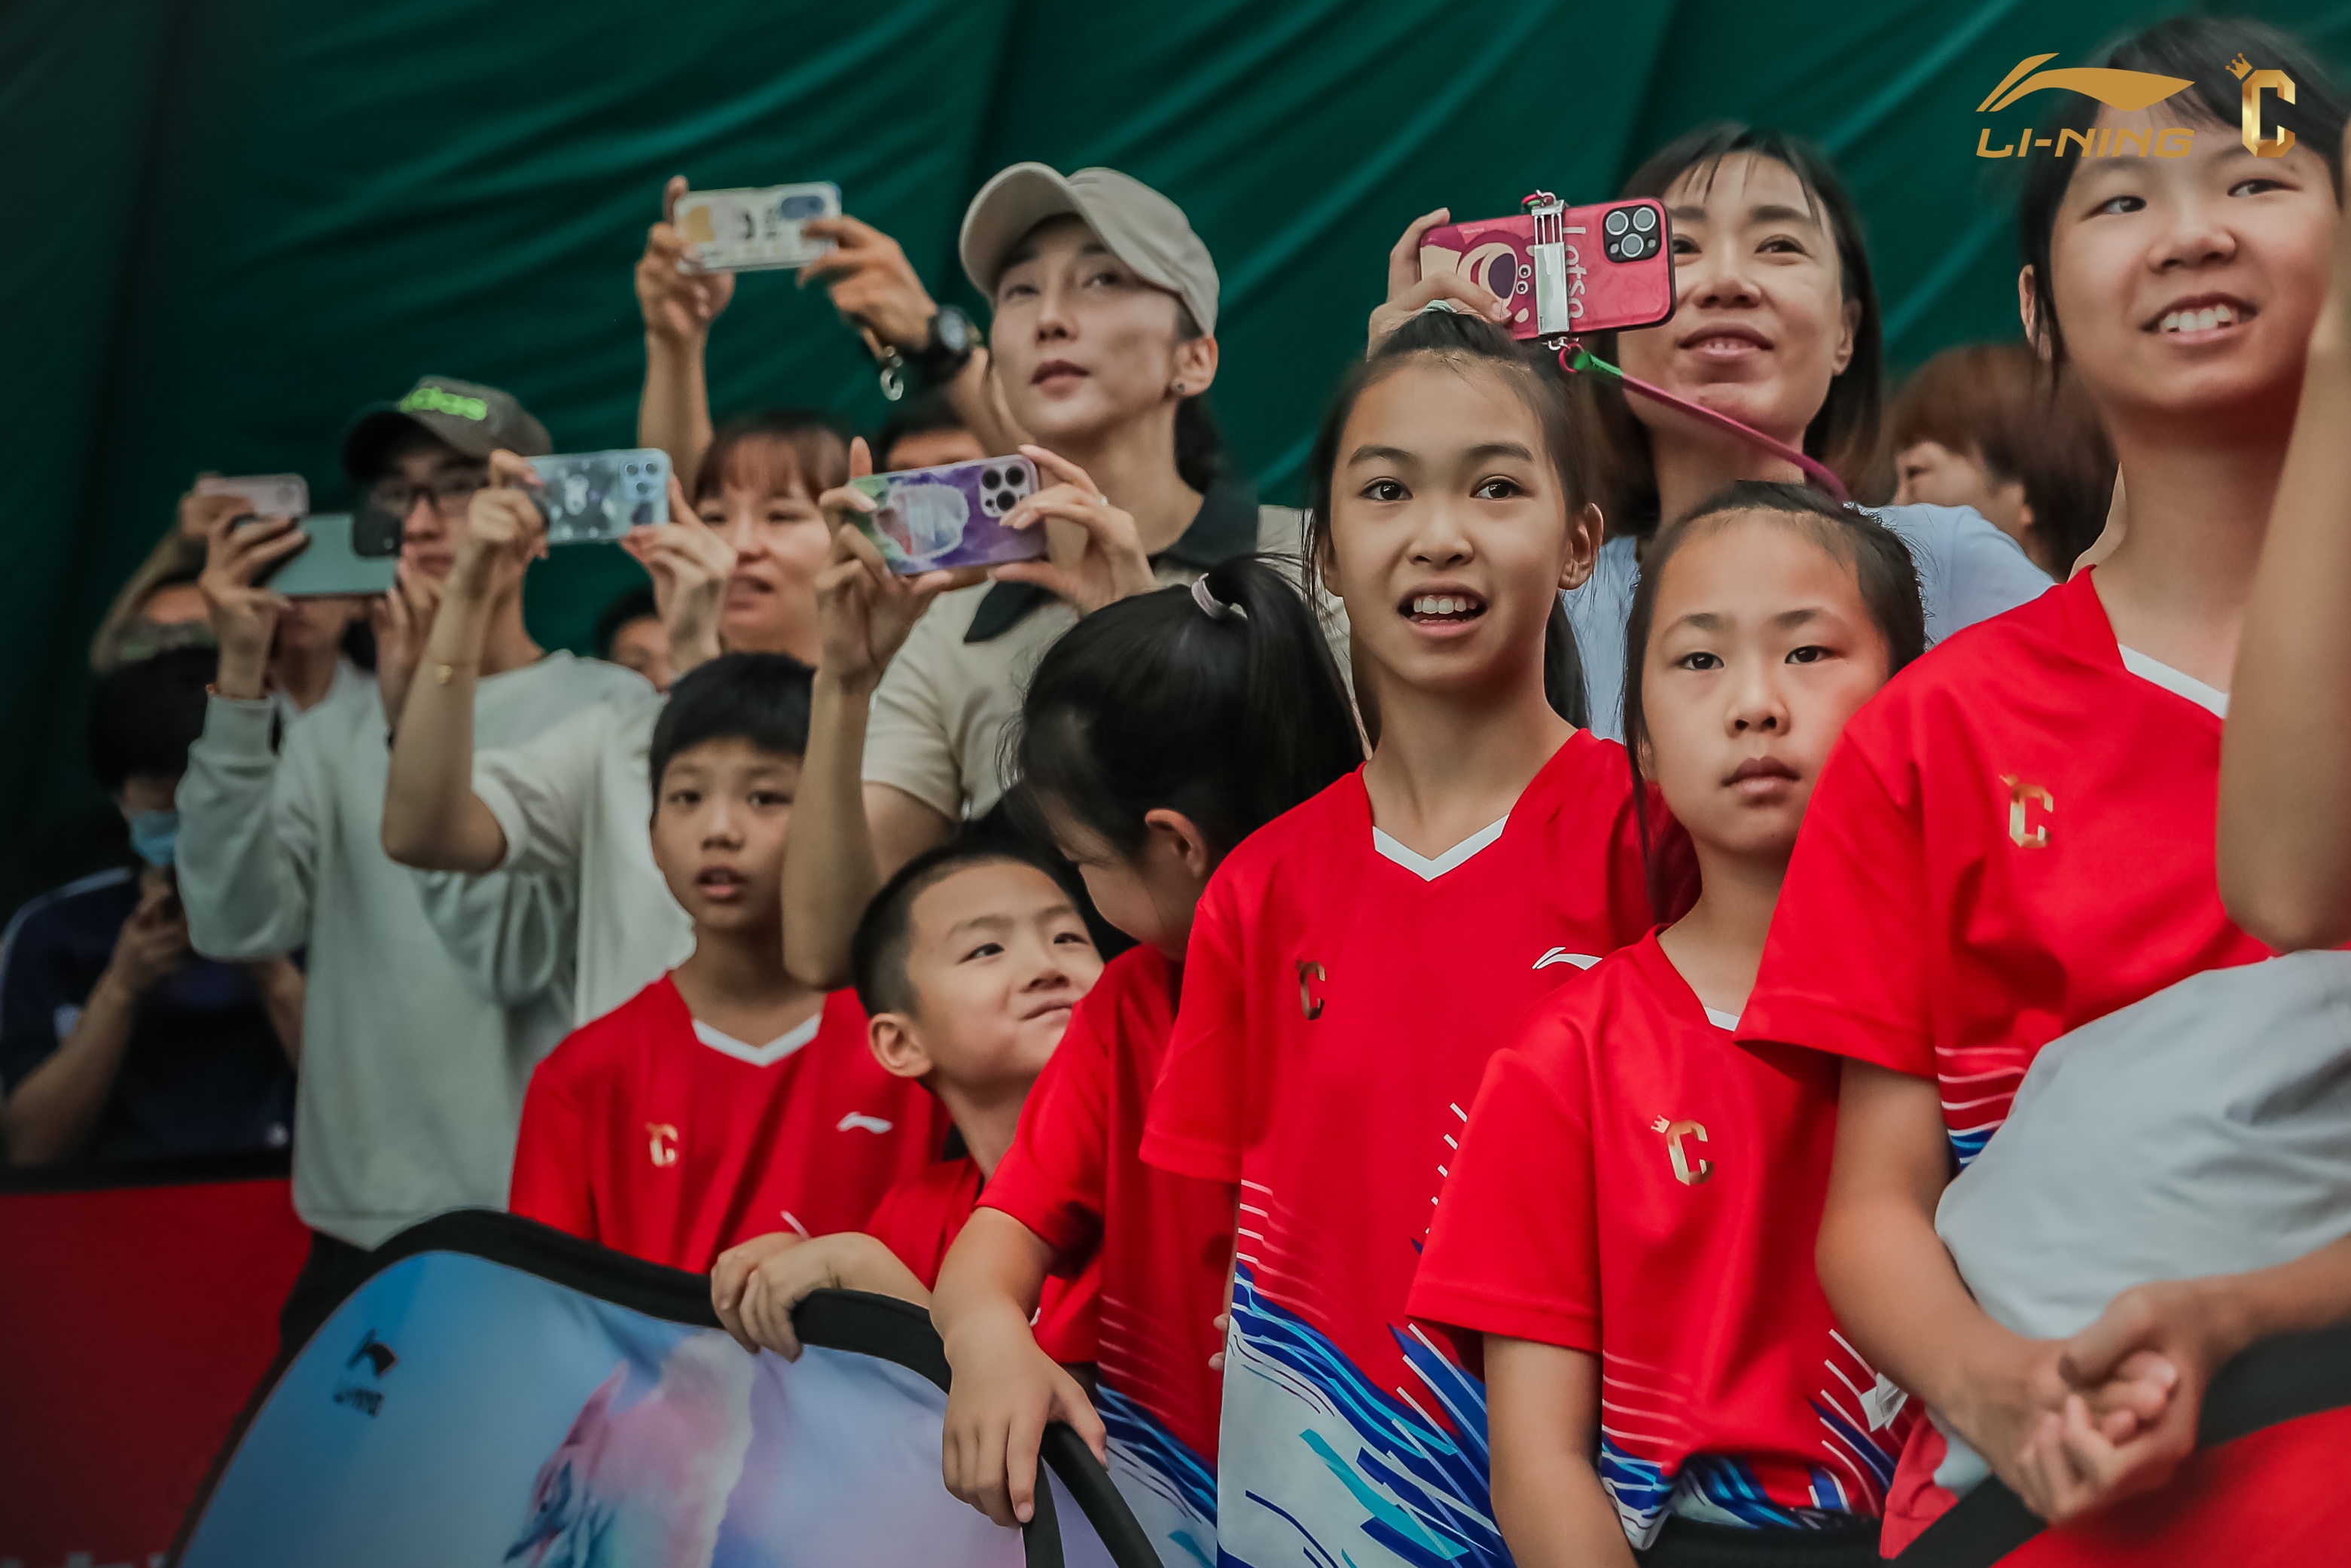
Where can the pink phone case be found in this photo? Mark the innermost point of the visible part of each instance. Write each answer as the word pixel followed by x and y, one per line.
pixel 1604 267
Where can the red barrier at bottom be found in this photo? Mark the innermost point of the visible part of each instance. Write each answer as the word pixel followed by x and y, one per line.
pixel 2267 1497
pixel 134 1324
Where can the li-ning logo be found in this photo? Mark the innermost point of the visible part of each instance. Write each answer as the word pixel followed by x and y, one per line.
pixel 2129 91
pixel 1674 1132
pixel 434 400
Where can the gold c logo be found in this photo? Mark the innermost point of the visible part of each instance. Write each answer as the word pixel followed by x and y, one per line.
pixel 1675 1132
pixel 2256 143
pixel 662 1137
pixel 2025 830
pixel 1309 1003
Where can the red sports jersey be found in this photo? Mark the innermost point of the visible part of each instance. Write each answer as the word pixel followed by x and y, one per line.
pixel 654 1137
pixel 1340 998
pixel 1075 1177
pixel 2013 839
pixel 919 1219
pixel 1635 1186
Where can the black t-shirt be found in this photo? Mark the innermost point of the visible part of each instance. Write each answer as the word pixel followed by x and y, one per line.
pixel 203 1073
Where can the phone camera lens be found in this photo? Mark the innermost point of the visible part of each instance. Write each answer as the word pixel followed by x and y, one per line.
pixel 1617 222
pixel 632 468
pixel 1645 219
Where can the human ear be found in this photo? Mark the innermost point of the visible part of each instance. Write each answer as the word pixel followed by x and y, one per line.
pixel 891 1039
pixel 2028 310
pixel 1195 364
pixel 1848 330
pixel 1177 837
pixel 1584 534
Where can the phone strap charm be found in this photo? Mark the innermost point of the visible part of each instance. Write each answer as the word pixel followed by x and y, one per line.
pixel 1574 358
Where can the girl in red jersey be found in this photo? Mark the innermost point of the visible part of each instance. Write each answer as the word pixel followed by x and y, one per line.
pixel 1155 735
pixel 1658 1354
pixel 2005 888
pixel 1355 963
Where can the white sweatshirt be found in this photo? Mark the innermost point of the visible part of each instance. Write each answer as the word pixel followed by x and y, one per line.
pixel 412 1074
pixel 576 805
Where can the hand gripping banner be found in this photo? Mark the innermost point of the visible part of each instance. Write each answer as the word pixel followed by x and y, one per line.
pixel 498 1394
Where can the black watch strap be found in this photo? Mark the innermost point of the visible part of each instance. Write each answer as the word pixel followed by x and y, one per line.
pixel 947 350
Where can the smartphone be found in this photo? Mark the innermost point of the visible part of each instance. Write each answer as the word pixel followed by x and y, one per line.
pixel 1565 271
pixel 268 495
pixel 757 228
pixel 931 519
pixel 594 496
pixel 349 553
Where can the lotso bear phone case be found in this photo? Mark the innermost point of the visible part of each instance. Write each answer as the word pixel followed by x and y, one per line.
pixel 1565 271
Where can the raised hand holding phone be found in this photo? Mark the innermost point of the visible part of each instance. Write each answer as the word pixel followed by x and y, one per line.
pixel 864 610
pixel 873 284
pixel 689 562
pixel 1410 293
pixel 679 300
pixel 402 621
pixel 244 615
pixel 1094 556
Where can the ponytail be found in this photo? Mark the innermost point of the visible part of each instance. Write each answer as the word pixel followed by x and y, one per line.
pixel 1220 700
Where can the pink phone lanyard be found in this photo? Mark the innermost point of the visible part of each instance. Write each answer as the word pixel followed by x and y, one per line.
pixel 1584 359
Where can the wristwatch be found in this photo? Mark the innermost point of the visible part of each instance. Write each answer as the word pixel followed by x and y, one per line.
pixel 947 348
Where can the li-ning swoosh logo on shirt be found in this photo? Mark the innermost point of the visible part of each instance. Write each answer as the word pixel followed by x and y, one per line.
pixel 860 1119
pixel 1562 956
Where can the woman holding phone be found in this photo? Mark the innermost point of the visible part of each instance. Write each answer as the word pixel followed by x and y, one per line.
pixel 1776 325
pixel 1101 347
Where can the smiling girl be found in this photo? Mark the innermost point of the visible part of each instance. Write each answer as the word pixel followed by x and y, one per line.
pixel 1736 1419
pixel 2005 886
pixel 1353 964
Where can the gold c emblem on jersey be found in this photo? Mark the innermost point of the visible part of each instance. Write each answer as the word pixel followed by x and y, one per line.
pixel 1309 972
pixel 1675 1132
pixel 660 1139
pixel 2029 810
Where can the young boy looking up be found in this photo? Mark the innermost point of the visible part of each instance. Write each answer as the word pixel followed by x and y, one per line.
pixel 969 961
pixel 657 1130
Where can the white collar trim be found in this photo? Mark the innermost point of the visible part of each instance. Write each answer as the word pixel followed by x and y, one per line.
pixel 766 1055
pixel 1428 870
pixel 1720 1019
pixel 2212 698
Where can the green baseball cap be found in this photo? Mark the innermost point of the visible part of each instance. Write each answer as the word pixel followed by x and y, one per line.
pixel 475 419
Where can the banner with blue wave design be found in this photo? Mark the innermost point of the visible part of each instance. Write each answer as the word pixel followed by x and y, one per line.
pixel 1317 1466
pixel 496 1393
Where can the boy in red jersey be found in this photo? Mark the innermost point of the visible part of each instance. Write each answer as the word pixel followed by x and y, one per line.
pixel 969 961
pixel 1629 1225
pixel 725 1099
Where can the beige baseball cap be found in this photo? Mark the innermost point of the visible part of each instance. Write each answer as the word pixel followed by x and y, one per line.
pixel 1142 228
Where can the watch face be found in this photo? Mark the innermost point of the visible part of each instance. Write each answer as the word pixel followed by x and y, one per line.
pixel 953 330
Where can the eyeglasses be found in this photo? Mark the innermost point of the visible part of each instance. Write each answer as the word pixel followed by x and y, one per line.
pixel 449 494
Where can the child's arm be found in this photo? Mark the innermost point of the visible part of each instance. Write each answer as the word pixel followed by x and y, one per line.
pixel 1005 1389
pixel 1899 1296
pixel 792 1269
pixel 1543 1417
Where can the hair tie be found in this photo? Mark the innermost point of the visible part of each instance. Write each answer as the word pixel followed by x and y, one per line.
pixel 1451 307
pixel 1212 607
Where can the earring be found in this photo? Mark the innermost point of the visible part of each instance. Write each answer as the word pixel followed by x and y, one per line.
pixel 1177 389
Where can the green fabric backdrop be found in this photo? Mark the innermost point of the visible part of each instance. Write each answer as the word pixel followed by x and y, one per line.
pixel 238 220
